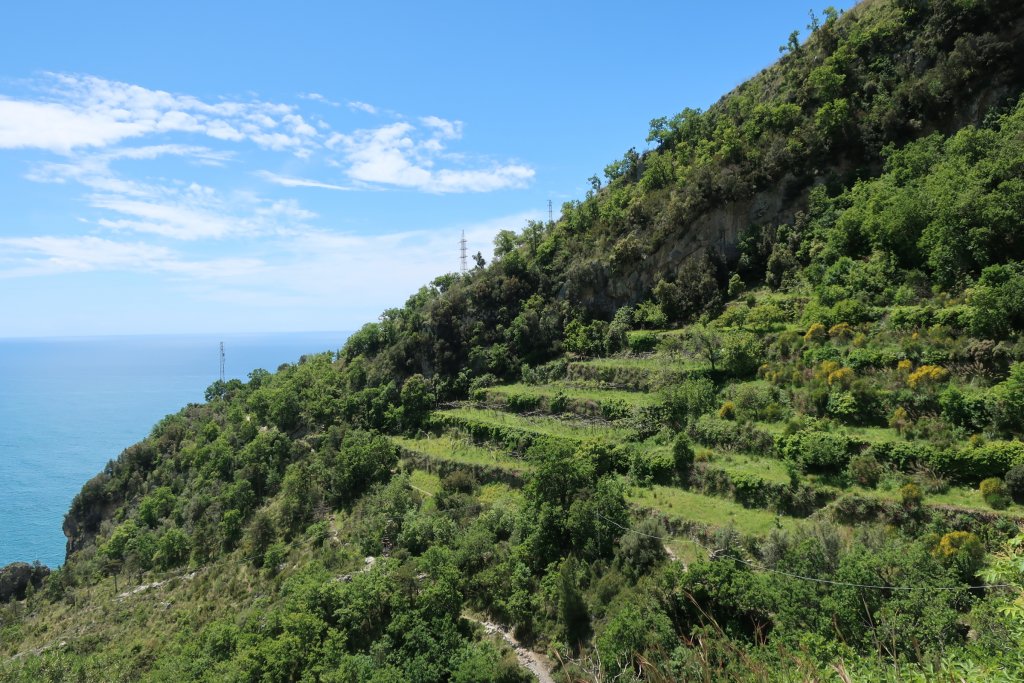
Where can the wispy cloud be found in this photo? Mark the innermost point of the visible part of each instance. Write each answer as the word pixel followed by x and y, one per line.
pixel 91 121
pixel 317 97
pixel 289 181
pixel 51 255
pixel 74 112
pixel 356 105
pixel 401 155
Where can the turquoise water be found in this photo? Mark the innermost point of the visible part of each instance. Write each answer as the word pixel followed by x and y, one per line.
pixel 67 406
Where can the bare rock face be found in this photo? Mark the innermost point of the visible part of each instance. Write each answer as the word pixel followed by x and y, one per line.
pixel 16 577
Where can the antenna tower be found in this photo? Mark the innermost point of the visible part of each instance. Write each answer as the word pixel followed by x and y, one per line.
pixel 551 216
pixel 462 251
pixel 222 361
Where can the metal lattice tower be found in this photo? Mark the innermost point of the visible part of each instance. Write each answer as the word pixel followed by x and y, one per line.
pixel 222 361
pixel 551 215
pixel 462 251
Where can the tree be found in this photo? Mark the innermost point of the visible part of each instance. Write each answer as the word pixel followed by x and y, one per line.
pixel 1007 400
pixel 417 402
pixel 706 342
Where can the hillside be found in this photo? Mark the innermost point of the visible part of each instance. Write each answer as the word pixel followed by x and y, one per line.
pixel 751 410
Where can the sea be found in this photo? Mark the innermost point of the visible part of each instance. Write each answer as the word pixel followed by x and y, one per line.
pixel 69 405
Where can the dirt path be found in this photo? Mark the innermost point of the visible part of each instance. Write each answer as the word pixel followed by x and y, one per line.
pixel 527 658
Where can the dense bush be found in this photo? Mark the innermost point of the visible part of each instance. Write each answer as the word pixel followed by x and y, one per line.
pixel 714 431
pixel 1015 482
pixel 817 451
pixel 864 470
pixel 974 463
pixel 994 492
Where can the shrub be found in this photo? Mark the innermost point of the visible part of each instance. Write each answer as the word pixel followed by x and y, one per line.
pixel 841 377
pixel 911 496
pixel 642 342
pixel 682 451
pixel 926 376
pixel 546 373
pixel 741 353
pixel 816 333
pixel 714 431
pixel 736 286
pixel 900 420
pixel 965 410
pixel 756 400
pixel 727 411
pixel 992 459
pixel 818 451
pixel 994 492
pixel 689 399
pixel 901 454
pixel 1007 399
pixel 615 409
pixel 865 470
pixel 586 339
pixel 652 465
pixel 961 550
pixel 1014 480
pixel 650 316
pixel 841 331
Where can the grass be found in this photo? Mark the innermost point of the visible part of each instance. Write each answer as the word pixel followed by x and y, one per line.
pixel 768 469
pixel 653 363
pixel 491 494
pixel 574 392
pixel 425 482
pixel 959 496
pixel 686 551
pixel 544 426
pixel 719 512
pixel 460 450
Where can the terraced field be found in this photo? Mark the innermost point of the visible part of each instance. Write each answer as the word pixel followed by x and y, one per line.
pixel 598 401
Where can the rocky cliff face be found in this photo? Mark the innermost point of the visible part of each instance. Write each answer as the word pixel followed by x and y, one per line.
pixel 90 507
pixel 16 577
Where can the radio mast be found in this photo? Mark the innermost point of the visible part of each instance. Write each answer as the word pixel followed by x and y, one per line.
pixel 222 361
pixel 462 251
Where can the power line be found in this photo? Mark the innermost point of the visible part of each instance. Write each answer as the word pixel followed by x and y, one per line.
pixel 814 579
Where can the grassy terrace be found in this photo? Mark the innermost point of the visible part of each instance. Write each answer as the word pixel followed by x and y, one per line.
pixel 869 435
pixel 532 425
pixel 639 373
pixel 580 398
pixel 720 512
pixel 460 450
pixel 958 496
pixel 424 482
pixel 652 363
pixel 574 391
pixel 769 469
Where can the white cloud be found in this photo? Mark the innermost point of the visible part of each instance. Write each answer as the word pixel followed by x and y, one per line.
pixel 444 128
pixel 58 128
pixel 398 154
pixel 88 112
pixel 50 255
pixel 362 106
pixel 85 117
pixel 289 181
pixel 317 97
pixel 175 220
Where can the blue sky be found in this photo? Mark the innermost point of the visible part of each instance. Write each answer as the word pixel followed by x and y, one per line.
pixel 257 167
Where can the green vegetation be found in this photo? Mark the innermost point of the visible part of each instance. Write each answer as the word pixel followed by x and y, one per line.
pixel 820 416
pixel 677 504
